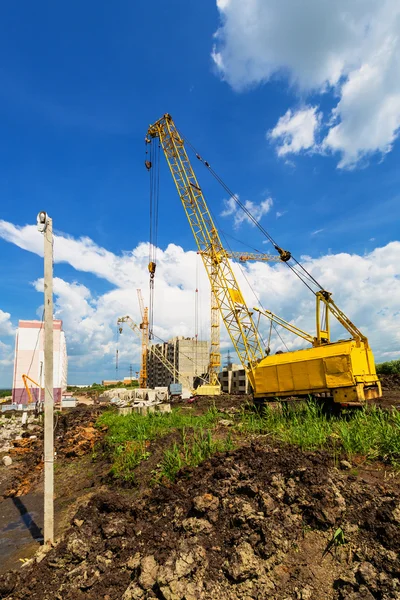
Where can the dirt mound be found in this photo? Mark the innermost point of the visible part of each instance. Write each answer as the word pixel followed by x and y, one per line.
pixel 390 382
pixel 74 435
pixel 253 523
pixel 390 391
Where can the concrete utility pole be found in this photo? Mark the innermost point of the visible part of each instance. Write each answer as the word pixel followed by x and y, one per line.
pixel 45 226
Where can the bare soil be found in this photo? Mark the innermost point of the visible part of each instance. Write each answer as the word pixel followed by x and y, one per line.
pixel 391 391
pixel 74 436
pixel 255 523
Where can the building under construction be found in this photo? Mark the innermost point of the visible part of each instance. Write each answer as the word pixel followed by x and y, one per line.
pixel 29 361
pixel 233 379
pixel 189 356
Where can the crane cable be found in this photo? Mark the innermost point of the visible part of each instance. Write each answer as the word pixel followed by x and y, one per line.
pixel 152 160
pixel 225 234
pixel 257 223
pixel 117 353
pixel 241 267
pixel 196 311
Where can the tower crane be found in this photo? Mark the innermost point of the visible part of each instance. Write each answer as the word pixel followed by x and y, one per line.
pixel 144 327
pixel 344 369
pixel 156 351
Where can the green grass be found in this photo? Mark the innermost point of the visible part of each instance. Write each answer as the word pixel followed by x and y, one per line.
pixel 371 432
pixel 128 437
pixel 191 452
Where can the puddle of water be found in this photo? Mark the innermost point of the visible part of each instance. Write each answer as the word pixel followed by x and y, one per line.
pixel 26 521
pixel 21 522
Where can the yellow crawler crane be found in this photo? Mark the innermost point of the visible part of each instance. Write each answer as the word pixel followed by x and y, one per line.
pixel 344 369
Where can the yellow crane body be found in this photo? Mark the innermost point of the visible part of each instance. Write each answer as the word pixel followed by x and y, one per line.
pixel 345 369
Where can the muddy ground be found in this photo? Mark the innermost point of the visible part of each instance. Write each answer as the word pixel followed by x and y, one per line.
pixel 74 436
pixel 258 522
pixel 21 484
pixel 390 390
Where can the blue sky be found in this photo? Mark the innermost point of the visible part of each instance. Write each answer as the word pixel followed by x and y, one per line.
pixel 80 82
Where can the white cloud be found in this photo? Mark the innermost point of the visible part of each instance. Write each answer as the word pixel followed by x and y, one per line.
pixel 366 287
pixel 230 207
pixel 240 217
pixel 349 47
pixel 296 131
pixel 6 355
pixel 280 214
pixel 82 254
pixel 6 327
pixel 317 231
pixel 368 113
pixel 6 363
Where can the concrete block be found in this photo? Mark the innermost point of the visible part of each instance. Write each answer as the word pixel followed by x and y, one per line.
pixel 163 408
pixel 140 393
pixel 68 402
pixel 126 410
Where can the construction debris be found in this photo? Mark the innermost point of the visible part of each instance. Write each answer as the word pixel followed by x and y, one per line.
pixel 139 397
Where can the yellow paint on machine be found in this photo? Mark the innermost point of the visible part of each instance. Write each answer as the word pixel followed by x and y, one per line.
pixel 345 369
pixel 207 390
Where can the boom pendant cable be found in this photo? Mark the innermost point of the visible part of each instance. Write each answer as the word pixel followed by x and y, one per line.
pixel 285 256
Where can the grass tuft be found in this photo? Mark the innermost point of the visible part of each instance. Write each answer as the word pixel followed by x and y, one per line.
pixel 191 452
pixel 372 432
pixel 128 437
